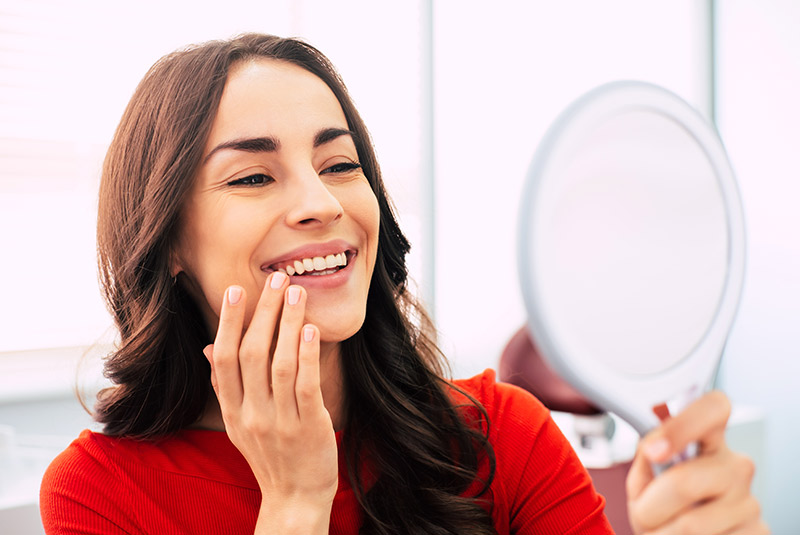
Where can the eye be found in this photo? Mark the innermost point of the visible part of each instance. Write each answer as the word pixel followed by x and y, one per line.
pixel 343 167
pixel 257 179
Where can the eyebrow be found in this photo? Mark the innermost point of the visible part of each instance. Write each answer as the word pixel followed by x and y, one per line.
pixel 271 144
pixel 327 135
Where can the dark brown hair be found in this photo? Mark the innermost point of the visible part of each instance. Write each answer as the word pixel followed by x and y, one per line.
pixel 398 406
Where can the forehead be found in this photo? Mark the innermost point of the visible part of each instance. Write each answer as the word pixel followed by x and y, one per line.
pixel 271 97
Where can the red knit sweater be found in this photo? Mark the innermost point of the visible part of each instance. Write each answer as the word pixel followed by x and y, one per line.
pixel 198 483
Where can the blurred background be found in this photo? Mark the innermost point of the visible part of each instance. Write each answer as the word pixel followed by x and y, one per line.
pixel 457 95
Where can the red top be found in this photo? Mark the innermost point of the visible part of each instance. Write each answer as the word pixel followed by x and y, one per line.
pixel 198 482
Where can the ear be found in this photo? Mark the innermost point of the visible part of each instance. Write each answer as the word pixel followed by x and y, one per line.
pixel 175 264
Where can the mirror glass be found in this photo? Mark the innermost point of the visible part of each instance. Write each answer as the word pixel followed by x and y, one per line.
pixel 634 244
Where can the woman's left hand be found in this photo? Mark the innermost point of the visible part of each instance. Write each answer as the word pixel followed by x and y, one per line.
pixel 706 495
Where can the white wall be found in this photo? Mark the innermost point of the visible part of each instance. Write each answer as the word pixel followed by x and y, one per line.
pixel 758 116
pixel 64 86
pixel 503 72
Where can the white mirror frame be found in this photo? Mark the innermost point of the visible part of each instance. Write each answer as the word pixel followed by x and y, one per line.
pixel 632 397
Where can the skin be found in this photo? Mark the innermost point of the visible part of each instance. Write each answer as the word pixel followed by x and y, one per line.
pixel 275 361
pixel 237 219
pixel 708 495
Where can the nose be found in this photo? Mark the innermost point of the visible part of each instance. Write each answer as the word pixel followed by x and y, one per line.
pixel 313 204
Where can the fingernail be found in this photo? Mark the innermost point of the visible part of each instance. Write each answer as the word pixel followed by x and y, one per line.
pixel 308 333
pixel 234 294
pixel 656 449
pixel 277 280
pixel 294 295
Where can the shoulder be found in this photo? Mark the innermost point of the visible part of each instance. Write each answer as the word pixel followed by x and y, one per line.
pixel 75 487
pixel 506 405
pixel 87 454
pixel 539 482
pixel 143 476
pixel 521 432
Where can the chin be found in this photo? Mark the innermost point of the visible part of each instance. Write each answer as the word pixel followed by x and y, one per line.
pixel 340 330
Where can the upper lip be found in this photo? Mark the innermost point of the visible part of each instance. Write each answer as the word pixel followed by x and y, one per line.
pixel 309 251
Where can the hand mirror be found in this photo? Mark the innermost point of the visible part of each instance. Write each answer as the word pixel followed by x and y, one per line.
pixel 631 249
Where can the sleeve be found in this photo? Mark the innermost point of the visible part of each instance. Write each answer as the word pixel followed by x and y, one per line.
pixel 76 494
pixel 547 488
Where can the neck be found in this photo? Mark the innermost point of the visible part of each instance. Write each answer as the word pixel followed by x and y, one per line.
pixel 331 384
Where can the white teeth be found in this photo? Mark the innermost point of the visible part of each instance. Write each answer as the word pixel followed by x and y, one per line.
pixel 326 272
pixel 318 264
pixel 282 270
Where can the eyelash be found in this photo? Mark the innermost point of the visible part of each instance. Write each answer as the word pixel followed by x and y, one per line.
pixel 249 180
pixel 344 167
pixel 339 168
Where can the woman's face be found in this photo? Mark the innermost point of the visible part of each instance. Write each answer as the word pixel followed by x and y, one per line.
pixel 280 188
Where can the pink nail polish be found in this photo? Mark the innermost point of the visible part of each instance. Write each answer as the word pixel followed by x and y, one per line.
pixel 657 449
pixel 294 295
pixel 234 294
pixel 277 280
pixel 308 333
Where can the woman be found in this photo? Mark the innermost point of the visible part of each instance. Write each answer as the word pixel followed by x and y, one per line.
pixel 245 236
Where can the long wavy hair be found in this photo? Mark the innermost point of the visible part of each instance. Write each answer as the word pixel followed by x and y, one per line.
pixel 398 404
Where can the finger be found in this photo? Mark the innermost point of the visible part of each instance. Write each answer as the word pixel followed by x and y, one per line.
pixel 226 348
pixel 720 517
pixel 307 388
pixel 254 350
pixel 639 476
pixel 703 421
pixel 208 351
pixel 757 527
pixel 680 489
pixel 284 360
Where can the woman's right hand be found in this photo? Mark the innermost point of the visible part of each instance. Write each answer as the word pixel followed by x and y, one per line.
pixel 269 394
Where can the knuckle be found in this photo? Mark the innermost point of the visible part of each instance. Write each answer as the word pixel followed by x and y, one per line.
pixel 224 358
pixel 228 416
pixel 755 507
pixel 285 432
pixel 745 467
pixel 269 299
pixel 255 424
pixel 282 370
pixel 305 392
pixel 722 402
pixel 686 489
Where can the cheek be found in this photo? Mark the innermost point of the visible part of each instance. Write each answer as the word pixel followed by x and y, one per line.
pixel 369 220
pixel 214 256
